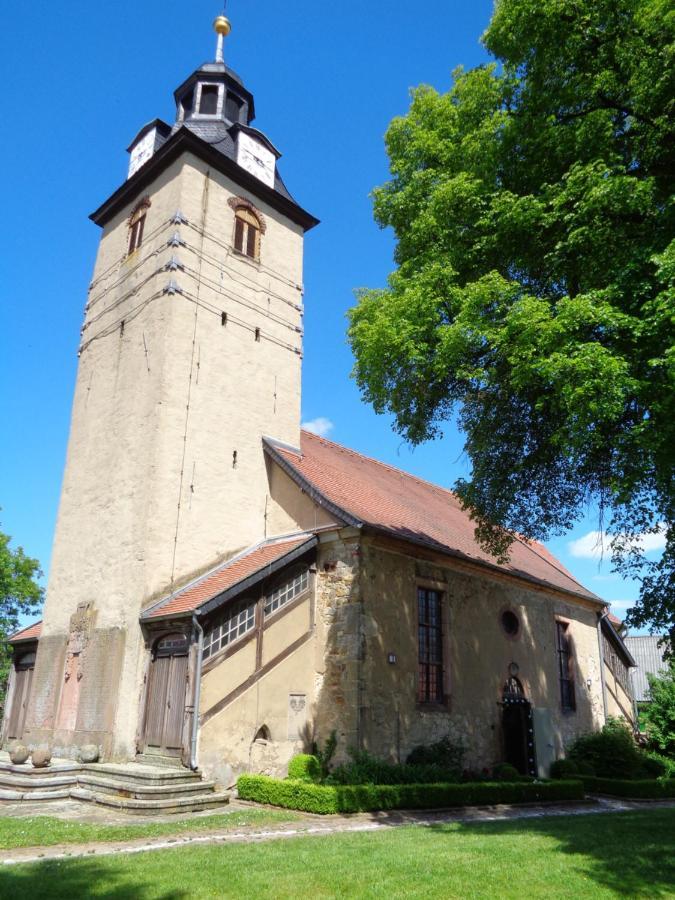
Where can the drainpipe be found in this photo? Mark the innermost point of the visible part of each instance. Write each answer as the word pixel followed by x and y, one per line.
pixel 197 691
pixel 602 616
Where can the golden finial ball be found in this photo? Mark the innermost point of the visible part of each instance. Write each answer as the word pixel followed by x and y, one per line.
pixel 221 25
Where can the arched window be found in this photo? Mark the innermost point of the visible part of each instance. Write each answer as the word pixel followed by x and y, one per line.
pixel 137 224
pixel 172 645
pixel 263 734
pixel 247 232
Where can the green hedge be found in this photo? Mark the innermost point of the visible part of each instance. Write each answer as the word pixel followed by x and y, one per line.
pixel 325 799
pixel 637 789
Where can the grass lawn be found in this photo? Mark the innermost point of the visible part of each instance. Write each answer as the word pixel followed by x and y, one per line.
pixel 46 831
pixel 618 855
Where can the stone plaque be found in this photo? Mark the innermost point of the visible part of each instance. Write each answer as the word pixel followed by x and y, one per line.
pixel 297 716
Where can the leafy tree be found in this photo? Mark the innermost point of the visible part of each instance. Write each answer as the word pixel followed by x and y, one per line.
pixel 20 595
pixel 659 713
pixel 534 294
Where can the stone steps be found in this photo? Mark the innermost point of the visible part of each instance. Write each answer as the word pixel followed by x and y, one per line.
pixel 136 773
pixel 129 789
pixel 10 794
pixel 154 759
pixel 136 788
pixel 153 807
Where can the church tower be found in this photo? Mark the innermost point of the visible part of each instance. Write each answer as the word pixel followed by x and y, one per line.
pixel 190 352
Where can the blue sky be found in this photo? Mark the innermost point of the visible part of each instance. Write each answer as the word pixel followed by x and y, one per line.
pixel 81 79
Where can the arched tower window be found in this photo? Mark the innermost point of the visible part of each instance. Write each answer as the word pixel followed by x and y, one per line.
pixel 249 225
pixel 137 225
pixel 247 233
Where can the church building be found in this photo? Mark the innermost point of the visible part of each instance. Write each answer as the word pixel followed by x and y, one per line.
pixel 226 587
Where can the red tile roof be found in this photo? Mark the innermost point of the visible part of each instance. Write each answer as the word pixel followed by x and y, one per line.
pixel 615 620
pixel 29 633
pixel 226 576
pixel 390 500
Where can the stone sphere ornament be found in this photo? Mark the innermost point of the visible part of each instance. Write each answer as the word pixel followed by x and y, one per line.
pixel 18 754
pixel 41 758
pixel 89 753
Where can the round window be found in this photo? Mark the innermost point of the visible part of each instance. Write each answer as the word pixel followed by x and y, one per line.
pixel 510 623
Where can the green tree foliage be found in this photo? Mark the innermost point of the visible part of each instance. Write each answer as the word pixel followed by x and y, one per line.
pixel 659 714
pixel 20 595
pixel 534 294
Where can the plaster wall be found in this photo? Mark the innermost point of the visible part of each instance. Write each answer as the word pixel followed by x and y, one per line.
pixel 298 694
pixel 165 397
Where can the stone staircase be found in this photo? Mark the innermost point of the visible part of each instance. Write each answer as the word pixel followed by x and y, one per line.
pixel 133 787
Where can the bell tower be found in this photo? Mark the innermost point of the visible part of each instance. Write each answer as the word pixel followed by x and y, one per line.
pixel 190 352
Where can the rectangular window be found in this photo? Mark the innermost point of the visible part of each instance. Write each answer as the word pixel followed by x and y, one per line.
pixel 616 666
pixel 208 103
pixel 239 235
pixel 430 638
pixel 287 592
pixel 236 622
pixel 565 667
pixel 136 234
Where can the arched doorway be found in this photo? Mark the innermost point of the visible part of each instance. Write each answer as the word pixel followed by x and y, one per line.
pixel 23 679
pixel 165 696
pixel 517 728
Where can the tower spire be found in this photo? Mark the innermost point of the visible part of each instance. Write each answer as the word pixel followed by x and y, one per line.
pixel 222 27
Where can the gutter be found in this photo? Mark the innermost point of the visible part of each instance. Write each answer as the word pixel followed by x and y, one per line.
pixel 602 615
pixel 197 692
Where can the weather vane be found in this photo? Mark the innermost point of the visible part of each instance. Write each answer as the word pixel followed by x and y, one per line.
pixel 222 27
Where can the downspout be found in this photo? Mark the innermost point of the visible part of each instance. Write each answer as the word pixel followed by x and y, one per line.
pixel 602 616
pixel 197 691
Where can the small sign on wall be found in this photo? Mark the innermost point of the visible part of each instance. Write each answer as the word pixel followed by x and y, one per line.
pixel 297 716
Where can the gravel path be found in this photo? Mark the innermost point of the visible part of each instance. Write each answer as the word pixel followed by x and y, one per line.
pixel 311 825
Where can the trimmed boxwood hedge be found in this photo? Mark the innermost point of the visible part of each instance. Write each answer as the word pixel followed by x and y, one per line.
pixel 633 789
pixel 339 798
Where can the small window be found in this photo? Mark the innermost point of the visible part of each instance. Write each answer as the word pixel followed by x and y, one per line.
pixel 510 623
pixel 137 225
pixel 247 233
pixel 237 621
pixel 187 103
pixel 208 103
pixel 232 108
pixel 565 667
pixel 27 661
pixel 287 592
pixel 172 645
pixel 430 639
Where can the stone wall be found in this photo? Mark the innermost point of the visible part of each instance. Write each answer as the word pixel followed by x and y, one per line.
pixel 480 656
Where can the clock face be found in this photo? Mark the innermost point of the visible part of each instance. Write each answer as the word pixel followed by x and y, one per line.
pixel 256 158
pixel 142 152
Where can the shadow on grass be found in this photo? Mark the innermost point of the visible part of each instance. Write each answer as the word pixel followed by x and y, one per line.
pixel 88 878
pixel 631 853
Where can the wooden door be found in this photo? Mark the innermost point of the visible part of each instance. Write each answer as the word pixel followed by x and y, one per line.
pixel 23 679
pixel 165 699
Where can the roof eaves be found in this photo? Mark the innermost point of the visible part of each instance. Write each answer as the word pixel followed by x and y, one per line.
pixel 185 140
pixel 150 614
pixel 613 635
pixel 268 569
pixel 457 554
pixel 16 638
pixel 271 447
